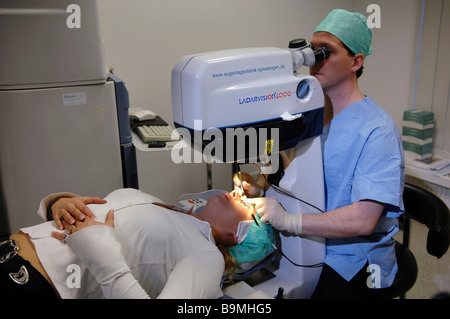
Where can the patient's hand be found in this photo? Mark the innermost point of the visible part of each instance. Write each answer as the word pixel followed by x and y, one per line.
pixel 78 225
pixel 69 209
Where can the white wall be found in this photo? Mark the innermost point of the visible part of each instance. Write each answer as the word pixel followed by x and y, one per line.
pixel 390 69
pixel 145 38
pixel 434 76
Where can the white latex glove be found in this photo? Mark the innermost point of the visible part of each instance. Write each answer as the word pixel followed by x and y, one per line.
pixel 273 213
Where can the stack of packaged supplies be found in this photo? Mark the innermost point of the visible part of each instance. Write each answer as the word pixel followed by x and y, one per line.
pixel 418 128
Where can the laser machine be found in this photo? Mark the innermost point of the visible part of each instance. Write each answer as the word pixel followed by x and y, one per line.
pixel 223 99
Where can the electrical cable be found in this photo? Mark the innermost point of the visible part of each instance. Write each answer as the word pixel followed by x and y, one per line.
pixel 318 265
pixel 283 192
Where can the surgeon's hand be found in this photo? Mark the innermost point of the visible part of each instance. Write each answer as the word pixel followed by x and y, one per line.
pixel 273 213
pixel 72 209
pixel 249 184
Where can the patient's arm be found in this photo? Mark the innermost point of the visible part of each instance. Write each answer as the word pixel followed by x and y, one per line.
pixel 96 245
pixel 196 276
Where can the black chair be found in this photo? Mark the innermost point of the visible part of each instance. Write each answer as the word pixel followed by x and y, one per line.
pixel 428 209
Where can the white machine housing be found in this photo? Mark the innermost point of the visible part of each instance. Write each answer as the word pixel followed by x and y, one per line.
pixel 237 87
pixel 259 87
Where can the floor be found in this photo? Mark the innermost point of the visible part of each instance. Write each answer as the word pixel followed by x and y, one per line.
pixel 434 274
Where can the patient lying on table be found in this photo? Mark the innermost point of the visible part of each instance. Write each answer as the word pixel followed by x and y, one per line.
pixel 138 249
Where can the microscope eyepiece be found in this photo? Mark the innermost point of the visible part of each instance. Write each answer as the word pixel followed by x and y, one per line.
pixel 305 55
pixel 321 54
pixel 297 43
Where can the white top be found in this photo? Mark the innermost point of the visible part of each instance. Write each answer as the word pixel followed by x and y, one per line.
pixel 152 252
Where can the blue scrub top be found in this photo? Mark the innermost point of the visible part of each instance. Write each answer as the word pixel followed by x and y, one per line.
pixel 363 160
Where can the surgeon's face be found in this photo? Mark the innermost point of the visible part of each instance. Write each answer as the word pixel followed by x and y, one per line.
pixel 337 68
pixel 229 211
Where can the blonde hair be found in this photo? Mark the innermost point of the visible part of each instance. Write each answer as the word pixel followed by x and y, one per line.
pixel 230 262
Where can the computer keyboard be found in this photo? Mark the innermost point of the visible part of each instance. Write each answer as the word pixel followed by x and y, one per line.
pixel 162 133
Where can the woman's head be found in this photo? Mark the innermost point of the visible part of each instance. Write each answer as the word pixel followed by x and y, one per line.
pixel 227 213
pixel 224 212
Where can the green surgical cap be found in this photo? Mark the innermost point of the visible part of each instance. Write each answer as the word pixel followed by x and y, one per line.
pixel 349 27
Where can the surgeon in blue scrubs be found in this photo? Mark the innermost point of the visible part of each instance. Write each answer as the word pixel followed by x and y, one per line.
pixel 363 167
